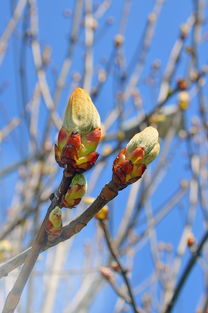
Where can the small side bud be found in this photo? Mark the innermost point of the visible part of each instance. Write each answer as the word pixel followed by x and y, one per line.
pixel 118 40
pixel 183 100
pixel 75 192
pixel 184 31
pixel 190 240
pixel 115 267
pixel 182 84
pixel 5 249
pixel 102 215
pixel 107 273
pixel 54 223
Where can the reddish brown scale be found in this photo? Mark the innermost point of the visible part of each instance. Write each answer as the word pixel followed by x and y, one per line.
pixel 62 134
pixel 120 172
pixel 141 169
pixel 137 154
pixel 94 136
pixel 69 152
pixel 57 158
pixel 49 229
pixel 75 202
pixel 68 157
pixel 120 158
pixel 92 157
pixel 74 140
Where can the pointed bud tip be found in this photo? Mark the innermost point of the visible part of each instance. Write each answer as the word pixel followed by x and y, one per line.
pixel 81 115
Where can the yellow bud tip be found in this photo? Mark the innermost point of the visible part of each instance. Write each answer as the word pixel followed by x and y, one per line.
pixel 88 200
pixel 81 115
pixel 183 100
pixel 102 214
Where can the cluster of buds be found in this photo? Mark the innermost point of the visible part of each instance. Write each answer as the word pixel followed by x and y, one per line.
pixel 131 161
pixel 53 224
pixel 75 192
pixel 80 134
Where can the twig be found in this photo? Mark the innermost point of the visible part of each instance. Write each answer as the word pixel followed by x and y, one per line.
pixel 186 273
pixel 44 88
pixel 57 265
pixel 68 59
pixel 122 270
pixel 13 167
pixel 4 132
pixel 17 221
pixel 144 49
pixel 10 28
pixel 89 38
pixel 69 230
pixel 197 29
pixel 119 291
pixel 15 294
pixel 174 58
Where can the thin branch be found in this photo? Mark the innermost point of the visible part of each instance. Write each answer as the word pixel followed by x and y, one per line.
pixel 122 270
pixel 192 261
pixel 15 294
pixel 11 27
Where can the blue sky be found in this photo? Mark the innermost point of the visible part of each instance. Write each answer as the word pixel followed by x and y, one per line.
pixel 54 30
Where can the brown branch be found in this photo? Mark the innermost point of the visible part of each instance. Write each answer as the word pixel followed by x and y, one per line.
pixel 122 270
pixel 117 290
pixel 107 194
pixel 186 273
pixel 4 39
pixel 15 293
pixel 36 51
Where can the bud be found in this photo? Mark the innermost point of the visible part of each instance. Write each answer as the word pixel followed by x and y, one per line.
pixel 116 267
pixel 131 161
pixel 54 223
pixel 5 249
pixel 145 141
pixel 102 214
pixel 118 40
pixel 183 100
pixel 190 240
pixel 80 134
pixel 75 192
pixel 184 31
pixel 107 273
pixel 182 84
